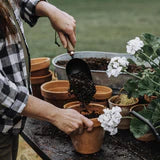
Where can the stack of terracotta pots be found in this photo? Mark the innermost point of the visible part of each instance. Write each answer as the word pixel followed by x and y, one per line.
pixel 40 74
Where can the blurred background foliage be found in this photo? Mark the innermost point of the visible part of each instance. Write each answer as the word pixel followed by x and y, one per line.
pixel 102 25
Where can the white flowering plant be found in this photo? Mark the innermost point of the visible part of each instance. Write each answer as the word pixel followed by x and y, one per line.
pixel 146 51
pixel 110 119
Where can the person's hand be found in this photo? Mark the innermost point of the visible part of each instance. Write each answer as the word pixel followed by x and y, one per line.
pixel 70 121
pixel 62 22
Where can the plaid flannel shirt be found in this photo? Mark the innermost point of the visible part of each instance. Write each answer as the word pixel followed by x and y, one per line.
pixel 14 89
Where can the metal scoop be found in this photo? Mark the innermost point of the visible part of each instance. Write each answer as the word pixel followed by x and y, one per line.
pixel 76 65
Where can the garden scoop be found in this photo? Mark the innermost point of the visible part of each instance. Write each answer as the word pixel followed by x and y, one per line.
pixel 140 117
pixel 76 65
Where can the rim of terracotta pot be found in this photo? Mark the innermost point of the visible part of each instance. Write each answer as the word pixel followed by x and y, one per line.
pixel 41 79
pixel 147 137
pixel 140 106
pixel 102 92
pixel 55 88
pixel 149 98
pixel 94 120
pixel 121 105
pixel 39 63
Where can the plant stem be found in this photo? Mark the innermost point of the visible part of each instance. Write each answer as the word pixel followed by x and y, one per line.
pixel 150 59
pixel 127 117
pixel 133 75
pixel 154 81
pixel 157 127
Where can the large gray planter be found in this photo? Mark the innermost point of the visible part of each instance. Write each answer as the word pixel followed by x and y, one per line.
pixel 99 76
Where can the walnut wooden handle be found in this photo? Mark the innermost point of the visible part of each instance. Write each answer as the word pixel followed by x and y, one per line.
pixel 70 47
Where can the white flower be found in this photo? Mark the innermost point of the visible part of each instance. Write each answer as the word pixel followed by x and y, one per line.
pixel 116 66
pixel 134 45
pixel 110 119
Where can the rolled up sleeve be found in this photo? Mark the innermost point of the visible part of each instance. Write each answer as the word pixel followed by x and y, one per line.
pixel 12 96
pixel 27 11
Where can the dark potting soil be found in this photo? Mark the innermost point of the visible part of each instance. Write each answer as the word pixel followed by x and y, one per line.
pixel 101 64
pixel 82 87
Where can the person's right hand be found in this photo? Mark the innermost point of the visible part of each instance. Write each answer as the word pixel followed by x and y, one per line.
pixel 70 121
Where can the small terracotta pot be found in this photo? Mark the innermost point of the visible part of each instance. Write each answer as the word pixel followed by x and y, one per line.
pixel 125 122
pixel 102 95
pixel 56 92
pixel 89 142
pixel 148 136
pixel 40 66
pixel 37 82
pixel 149 98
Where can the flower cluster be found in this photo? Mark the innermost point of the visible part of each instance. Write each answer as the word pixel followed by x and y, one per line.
pixel 116 65
pixel 110 119
pixel 134 45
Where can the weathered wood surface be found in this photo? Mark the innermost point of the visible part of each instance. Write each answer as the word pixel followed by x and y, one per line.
pixel 52 144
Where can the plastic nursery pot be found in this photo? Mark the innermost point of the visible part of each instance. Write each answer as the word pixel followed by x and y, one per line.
pixel 125 122
pixel 56 92
pixel 89 142
pixel 149 98
pixel 148 136
pixel 40 66
pixel 37 82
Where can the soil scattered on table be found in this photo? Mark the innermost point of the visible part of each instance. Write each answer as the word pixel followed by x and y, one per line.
pixel 101 64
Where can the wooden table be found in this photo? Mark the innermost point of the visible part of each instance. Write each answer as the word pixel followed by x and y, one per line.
pixel 52 144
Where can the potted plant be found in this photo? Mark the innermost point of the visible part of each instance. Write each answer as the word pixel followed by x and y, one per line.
pixel 125 104
pixel 146 51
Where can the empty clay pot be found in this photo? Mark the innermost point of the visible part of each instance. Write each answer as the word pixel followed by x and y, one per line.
pixel 40 66
pixel 89 142
pixel 125 122
pixel 37 82
pixel 102 95
pixel 56 92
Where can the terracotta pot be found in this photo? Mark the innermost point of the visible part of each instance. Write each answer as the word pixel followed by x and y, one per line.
pixel 148 136
pixel 37 82
pixel 125 122
pixel 56 92
pixel 40 66
pixel 149 98
pixel 89 142
pixel 102 95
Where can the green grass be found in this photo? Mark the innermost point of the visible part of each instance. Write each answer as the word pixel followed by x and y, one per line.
pixel 102 25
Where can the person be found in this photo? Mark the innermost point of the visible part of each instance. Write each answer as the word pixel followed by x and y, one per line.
pixel 16 101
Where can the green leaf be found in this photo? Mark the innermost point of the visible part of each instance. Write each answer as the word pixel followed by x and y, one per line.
pixel 131 61
pixel 138 127
pixel 148 50
pixel 158 51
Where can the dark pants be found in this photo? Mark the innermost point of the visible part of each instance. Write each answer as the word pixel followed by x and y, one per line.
pixel 8 147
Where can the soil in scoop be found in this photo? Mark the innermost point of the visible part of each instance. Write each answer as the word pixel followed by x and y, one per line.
pixel 101 64
pixel 82 87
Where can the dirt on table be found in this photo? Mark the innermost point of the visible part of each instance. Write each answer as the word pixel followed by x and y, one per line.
pixel 101 64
